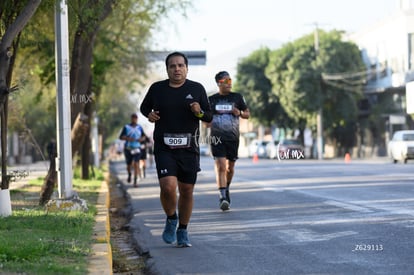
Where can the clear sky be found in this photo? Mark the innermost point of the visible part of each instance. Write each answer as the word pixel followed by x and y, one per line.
pixel 225 27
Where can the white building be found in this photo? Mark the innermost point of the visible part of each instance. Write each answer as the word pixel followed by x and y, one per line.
pixel 387 48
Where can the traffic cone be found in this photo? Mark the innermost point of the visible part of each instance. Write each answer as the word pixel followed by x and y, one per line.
pixel 255 158
pixel 347 158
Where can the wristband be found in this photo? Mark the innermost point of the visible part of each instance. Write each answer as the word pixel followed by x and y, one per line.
pixel 200 115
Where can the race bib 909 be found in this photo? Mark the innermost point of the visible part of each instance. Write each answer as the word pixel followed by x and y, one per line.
pixel 175 141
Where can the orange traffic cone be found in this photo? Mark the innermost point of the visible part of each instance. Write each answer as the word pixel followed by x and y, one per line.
pixel 255 158
pixel 347 158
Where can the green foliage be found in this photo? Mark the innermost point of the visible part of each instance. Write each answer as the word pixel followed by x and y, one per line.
pixel 252 83
pixel 296 71
pixel 97 174
pixel 119 62
pixel 289 85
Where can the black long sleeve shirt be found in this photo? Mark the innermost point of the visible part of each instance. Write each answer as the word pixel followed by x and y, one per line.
pixel 176 117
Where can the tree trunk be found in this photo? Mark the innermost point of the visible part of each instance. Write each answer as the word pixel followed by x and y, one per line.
pixel 82 57
pixel 50 180
pixel 80 73
pixel 86 147
pixel 86 156
pixel 5 179
pixel 79 130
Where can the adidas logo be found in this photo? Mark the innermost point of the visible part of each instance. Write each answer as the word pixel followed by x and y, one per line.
pixel 189 96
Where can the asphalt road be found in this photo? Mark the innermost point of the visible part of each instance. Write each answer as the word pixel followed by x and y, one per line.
pixel 287 217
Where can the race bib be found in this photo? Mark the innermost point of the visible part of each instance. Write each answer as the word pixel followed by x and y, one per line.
pixel 175 141
pixel 135 151
pixel 224 108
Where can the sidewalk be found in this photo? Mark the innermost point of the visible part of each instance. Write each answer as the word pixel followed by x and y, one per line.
pixel 100 259
pixel 32 171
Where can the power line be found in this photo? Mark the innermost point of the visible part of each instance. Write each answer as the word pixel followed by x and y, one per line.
pixel 350 80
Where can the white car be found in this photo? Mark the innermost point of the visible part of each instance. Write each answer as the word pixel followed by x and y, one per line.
pixel 401 147
pixel 257 147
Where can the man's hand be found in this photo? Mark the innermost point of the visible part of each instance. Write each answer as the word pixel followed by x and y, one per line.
pixel 236 112
pixel 153 116
pixel 195 108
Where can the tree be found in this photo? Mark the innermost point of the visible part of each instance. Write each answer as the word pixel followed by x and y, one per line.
pixel 130 29
pixel 296 72
pixel 108 39
pixel 14 16
pixel 256 88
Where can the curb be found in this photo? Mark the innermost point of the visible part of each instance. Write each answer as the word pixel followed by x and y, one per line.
pixel 100 261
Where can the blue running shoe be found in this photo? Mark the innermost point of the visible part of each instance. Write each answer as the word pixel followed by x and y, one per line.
pixel 169 235
pixel 182 238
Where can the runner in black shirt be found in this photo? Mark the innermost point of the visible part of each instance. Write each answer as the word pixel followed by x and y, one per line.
pixel 176 106
pixel 227 108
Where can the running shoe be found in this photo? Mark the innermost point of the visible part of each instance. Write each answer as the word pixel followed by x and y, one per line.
pixel 169 235
pixel 182 238
pixel 224 204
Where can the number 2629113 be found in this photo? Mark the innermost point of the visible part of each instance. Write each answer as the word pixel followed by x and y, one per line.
pixel 368 247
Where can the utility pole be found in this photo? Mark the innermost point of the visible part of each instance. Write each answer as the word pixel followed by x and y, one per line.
pixel 319 115
pixel 64 147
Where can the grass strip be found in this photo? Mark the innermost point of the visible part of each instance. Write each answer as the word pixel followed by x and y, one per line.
pixel 33 241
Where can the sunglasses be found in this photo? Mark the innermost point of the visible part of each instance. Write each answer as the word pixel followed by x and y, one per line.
pixel 225 81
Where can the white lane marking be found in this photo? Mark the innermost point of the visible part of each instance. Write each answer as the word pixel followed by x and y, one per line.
pixel 307 235
pixel 348 206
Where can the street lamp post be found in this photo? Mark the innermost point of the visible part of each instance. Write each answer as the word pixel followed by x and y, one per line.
pixel 64 147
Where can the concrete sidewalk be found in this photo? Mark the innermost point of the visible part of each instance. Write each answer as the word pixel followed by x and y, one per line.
pixel 100 259
pixel 27 172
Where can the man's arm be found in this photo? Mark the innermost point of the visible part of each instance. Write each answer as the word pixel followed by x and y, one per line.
pixel 122 135
pixel 244 112
pixel 146 105
pixel 206 108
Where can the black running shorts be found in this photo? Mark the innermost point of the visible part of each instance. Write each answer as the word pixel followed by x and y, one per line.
pixel 143 155
pixel 225 149
pixel 129 158
pixel 179 163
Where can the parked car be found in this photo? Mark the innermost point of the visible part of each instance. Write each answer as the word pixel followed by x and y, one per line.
pixel 257 147
pixel 401 146
pixel 285 149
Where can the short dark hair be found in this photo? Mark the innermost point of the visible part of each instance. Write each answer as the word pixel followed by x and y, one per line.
pixel 176 54
pixel 221 75
pixel 134 115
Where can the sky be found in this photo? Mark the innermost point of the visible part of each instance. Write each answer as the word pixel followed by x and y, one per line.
pixel 231 29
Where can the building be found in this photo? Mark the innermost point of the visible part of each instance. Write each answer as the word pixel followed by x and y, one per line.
pixel 387 49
